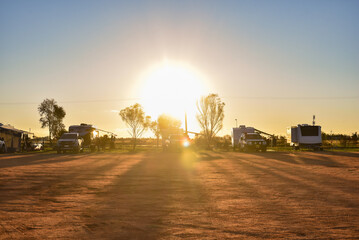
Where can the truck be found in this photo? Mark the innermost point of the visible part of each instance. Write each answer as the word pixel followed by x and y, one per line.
pixel 237 133
pixel 249 138
pixel 252 142
pixel 70 142
pixel 91 135
pixel 305 136
pixel 177 141
pixel 88 132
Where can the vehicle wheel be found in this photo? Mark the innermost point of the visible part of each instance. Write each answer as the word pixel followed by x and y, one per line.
pixel 296 148
pixel 318 149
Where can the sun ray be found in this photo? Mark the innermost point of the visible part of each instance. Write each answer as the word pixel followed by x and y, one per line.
pixel 172 88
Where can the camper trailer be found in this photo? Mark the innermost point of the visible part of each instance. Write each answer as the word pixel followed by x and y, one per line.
pixel 305 136
pixel 91 135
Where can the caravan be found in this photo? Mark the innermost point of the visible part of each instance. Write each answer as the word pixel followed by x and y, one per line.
pixel 305 136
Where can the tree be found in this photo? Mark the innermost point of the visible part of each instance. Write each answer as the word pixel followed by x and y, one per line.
pixel 156 130
pixel 51 116
pixel 168 125
pixel 134 117
pixel 210 116
pixel 58 128
pixel 355 138
pixel 344 140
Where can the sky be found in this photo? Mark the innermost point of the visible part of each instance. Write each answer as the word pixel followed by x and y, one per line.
pixel 274 63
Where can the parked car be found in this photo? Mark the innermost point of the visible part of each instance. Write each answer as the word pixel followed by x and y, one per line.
pixel 70 142
pixel 37 147
pixel 2 145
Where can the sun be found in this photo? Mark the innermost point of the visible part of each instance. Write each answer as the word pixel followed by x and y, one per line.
pixel 172 88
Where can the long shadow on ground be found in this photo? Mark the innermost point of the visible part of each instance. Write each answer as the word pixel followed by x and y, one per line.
pixel 154 199
pixel 33 159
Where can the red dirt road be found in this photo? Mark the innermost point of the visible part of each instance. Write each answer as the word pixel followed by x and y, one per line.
pixel 188 195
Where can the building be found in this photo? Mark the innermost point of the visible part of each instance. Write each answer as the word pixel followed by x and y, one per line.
pixel 15 139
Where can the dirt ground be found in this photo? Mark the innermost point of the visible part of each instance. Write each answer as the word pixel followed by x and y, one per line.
pixel 189 195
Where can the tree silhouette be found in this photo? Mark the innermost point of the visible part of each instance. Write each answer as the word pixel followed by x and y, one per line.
pixel 51 116
pixel 355 138
pixel 134 117
pixel 210 116
pixel 154 126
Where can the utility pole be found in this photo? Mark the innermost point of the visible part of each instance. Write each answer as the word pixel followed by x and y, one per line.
pixel 236 122
pixel 185 120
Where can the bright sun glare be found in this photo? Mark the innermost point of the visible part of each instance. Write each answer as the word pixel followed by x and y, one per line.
pixel 172 88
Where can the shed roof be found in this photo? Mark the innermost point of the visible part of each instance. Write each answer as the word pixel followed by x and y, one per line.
pixel 12 128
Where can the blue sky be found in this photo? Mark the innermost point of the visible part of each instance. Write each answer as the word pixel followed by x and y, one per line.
pixel 274 63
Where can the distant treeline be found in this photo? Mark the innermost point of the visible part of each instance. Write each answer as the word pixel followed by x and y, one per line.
pixel 223 143
pixel 341 140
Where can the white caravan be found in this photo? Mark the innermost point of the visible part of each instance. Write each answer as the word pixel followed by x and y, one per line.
pixel 305 136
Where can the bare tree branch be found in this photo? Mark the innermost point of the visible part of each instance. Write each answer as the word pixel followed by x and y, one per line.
pixel 210 116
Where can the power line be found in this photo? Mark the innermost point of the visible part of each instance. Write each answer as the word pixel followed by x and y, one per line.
pixel 294 98
pixel 76 101
pixel 225 97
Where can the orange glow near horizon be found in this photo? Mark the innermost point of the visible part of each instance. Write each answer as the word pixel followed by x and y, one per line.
pixel 171 88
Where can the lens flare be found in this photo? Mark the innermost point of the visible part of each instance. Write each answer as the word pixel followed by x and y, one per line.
pixel 186 143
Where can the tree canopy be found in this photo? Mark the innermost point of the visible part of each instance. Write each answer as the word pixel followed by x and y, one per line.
pixel 135 118
pixel 210 116
pixel 168 125
pixel 51 116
